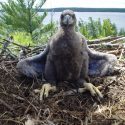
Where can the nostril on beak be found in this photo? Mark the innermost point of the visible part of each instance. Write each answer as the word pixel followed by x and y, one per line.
pixel 67 16
pixel 66 19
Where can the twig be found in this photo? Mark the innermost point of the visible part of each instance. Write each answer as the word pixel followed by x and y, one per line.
pixel 18 97
pixel 121 54
pixel 115 52
pixel 16 44
pixel 31 104
pixel 107 45
pixel 5 104
pixel 118 40
pixel 6 44
pixel 12 120
pixel 106 39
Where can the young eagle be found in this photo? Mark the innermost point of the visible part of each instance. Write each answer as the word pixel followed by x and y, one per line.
pixel 67 58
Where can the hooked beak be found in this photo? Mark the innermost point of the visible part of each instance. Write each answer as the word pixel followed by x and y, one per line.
pixel 67 20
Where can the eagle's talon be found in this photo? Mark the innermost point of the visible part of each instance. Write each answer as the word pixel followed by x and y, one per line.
pixel 46 88
pixel 98 93
pixel 93 90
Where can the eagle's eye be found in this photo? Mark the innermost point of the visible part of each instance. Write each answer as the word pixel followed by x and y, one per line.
pixel 62 16
pixel 73 15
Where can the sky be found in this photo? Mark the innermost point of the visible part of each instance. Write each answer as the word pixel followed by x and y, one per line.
pixel 83 3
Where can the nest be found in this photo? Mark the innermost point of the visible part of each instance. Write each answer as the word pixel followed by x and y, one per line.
pixel 20 105
pixel 18 102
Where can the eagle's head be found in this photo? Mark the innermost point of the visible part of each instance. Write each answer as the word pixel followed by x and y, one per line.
pixel 67 18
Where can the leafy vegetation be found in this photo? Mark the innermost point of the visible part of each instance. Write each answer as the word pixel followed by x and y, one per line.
pixel 20 19
pixel 96 29
pixel 42 34
pixel 22 38
pixel 122 31
pixel 22 16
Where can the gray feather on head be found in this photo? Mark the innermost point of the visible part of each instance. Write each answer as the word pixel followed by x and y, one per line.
pixel 67 18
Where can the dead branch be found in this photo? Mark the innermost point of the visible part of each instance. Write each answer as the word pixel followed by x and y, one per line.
pixel 118 40
pixel 121 55
pixel 6 44
pixel 106 39
pixel 6 105
pixel 107 45
pixel 115 52
pixel 18 97
pixel 16 44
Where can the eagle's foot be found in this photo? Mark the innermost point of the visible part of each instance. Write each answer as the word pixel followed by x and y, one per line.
pixel 46 88
pixel 93 90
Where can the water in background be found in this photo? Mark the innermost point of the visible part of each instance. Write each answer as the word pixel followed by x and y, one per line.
pixel 117 18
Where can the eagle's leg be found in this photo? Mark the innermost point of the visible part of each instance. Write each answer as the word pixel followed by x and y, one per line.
pixel 93 90
pixel 50 76
pixel 46 89
pixel 84 78
pixel 88 87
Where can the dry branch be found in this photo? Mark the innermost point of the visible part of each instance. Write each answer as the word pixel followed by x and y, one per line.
pixel 106 39
pixel 107 45
pixel 6 105
pixel 115 52
pixel 118 40
pixel 121 55
pixel 16 44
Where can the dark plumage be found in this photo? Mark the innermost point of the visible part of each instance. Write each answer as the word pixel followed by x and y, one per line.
pixel 67 58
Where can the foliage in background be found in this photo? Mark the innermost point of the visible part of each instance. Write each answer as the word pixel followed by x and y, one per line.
pixel 43 34
pixel 21 15
pixel 96 29
pixel 20 19
pixel 22 38
pixel 107 27
pixel 122 32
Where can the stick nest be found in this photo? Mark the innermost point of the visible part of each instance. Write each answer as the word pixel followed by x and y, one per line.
pixel 19 105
